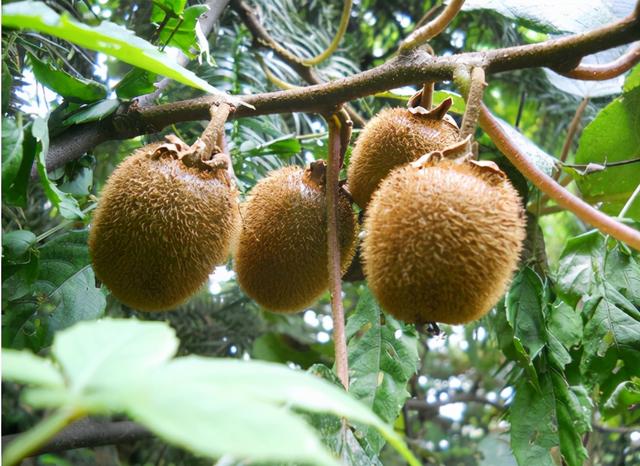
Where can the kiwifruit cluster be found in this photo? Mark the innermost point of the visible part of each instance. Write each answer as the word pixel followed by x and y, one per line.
pixel 281 259
pixel 394 137
pixel 165 218
pixel 442 240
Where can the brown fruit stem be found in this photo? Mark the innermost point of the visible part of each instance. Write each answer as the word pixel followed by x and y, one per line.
pixel 549 186
pixel 213 134
pixel 426 98
pixel 335 284
pixel 476 85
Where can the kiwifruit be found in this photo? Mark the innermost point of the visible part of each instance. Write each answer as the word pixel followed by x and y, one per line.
pixel 442 240
pixel 162 224
pixel 395 136
pixel 281 261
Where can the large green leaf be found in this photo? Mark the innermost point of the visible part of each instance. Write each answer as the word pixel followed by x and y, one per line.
pixel 533 433
pixel 549 15
pixel 65 202
pixel 181 32
pixel 612 330
pixel 124 366
pixel 62 293
pixel 98 355
pixel 573 420
pixel 382 359
pixel 69 87
pixel 135 83
pixel 26 368
pixel 585 257
pixel 12 137
pixel 525 304
pixel 94 112
pixel 16 245
pixel 108 38
pixel 16 146
pixel 613 136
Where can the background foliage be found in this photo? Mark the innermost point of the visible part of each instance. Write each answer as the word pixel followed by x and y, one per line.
pixel 553 371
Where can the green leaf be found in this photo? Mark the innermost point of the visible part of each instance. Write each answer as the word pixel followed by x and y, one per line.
pixel 63 293
pixel 382 359
pixel 118 365
pixel 625 395
pixel 583 259
pixel 614 135
pixel 525 304
pixel 564 330
pixel 613 326
pixel 94 112
pixel 7 85
pixel 548 15
pixel 633 79
pixel 16 244
pixel 109 38
pixel 573 421
pixel 135 83
pixel 26 368
pixel 182 414
pixel 533 433
pixel 163 7
pixel 181 32
pixel 111 352
pixel 12 137
pixel 69 87
pixel 66 203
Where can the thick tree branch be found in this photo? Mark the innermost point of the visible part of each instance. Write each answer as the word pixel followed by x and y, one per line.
pixel 606 70
pixel 89 433
pixel 416 67
pixel 549 186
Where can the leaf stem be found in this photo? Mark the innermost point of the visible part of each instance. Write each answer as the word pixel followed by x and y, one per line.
pixel 549 186
pixel 336 136
pixel 432 28
pixel 342 28
pixel 33 439
pixel 571 133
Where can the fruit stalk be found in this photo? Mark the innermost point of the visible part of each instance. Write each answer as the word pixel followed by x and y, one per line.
pixel 213 135
pixel 474 95
pixel 546 184
pixel 336 143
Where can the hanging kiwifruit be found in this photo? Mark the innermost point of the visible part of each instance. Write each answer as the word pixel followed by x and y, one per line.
pixel 281 260
pixel 394 137
pixel 165 218
pixel 442 240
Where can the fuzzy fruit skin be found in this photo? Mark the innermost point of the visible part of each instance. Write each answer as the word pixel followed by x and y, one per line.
pixel 160 228
pixel 281 261
pixel 394 137
pixel 442 242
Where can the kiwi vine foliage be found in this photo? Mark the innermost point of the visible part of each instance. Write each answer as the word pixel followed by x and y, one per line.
pixel 553 371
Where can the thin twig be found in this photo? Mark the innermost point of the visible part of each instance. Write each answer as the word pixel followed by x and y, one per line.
pixel 571 132
pixel 548 185
pixel 432 28
pixel 342 28
pixel 336 137
pixel 606 70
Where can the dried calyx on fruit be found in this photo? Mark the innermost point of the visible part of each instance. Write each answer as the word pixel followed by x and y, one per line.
pixel 394 137
pixel 443 239
pixel 167 215
pixel 281 260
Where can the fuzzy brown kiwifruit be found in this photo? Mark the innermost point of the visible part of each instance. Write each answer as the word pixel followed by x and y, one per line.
pixel 442 240
pixel 394 137
pixel 281 259
pixel 161 226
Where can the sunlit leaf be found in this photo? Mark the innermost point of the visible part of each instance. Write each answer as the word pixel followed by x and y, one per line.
pixel 26 368
pixel 70 87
